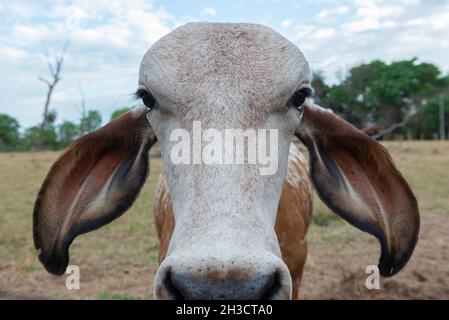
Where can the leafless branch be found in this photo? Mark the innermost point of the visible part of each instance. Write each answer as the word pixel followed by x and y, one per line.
pixel 45 80
pixel 83 111
pixel 55 69
pixel 401 124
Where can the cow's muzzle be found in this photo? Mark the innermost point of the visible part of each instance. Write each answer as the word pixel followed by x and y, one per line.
pixel 239 278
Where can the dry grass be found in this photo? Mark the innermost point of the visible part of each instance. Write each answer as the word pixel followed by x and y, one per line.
pixel 425 165
pixel 119 260
pixel 128 247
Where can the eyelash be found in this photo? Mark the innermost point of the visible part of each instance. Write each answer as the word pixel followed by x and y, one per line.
pixel 139 94
pixel 146 97
pixel 299 97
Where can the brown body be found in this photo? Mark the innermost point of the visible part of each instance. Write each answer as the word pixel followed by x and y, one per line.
pixel 293 217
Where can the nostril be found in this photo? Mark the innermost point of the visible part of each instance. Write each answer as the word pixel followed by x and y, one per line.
pixel 273 287
pixel 186 286
pixel 171 287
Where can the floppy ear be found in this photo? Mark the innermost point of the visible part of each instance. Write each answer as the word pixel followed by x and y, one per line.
pixel 357 179
pixel 92 183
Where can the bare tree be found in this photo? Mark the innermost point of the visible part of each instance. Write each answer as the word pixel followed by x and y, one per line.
pixel 82 111
pixel 55 67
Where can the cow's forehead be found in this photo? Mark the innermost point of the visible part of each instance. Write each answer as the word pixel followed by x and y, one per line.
pixel 199 58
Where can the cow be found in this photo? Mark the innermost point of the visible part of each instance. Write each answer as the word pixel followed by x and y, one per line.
pixel 227 231
pixel 293 217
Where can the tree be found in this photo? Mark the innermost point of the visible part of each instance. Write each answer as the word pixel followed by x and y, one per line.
pixel 320 87
pixel 9 131
pixel 428 118
pixel 384 93
pixel 83 112
pixel 67 133
pixel 400 87
pixel 37 139
pixel 119 112
pixel 55 68
pixel 91 122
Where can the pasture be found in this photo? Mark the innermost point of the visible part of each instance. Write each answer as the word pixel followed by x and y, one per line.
pixel 119 261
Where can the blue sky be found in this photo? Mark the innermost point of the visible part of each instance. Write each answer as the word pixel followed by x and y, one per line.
pixel 108 38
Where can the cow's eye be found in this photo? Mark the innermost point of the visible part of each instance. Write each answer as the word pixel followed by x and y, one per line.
pixel 300 97
pixel 147 98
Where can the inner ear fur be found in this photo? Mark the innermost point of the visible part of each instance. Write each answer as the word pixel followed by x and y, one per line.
pixel 356 178
pixel 92 183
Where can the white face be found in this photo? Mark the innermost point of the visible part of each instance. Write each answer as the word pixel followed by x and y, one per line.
pixel 227 76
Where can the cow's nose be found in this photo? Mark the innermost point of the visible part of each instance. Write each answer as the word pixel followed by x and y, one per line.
pixel 217 281
pixel 192 287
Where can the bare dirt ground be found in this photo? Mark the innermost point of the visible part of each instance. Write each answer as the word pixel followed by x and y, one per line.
pixel 337 270
pixel 119 260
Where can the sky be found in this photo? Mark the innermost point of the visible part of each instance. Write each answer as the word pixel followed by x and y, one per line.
pixel 107 39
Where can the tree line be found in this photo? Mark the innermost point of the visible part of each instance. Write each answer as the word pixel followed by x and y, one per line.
pixel 410 97
pixel 404 99
pixel 48 136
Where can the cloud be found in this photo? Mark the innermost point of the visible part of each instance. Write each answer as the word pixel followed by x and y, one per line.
pixel 322 34
pixel 286 23
pixel 325 13
pixel 13 54
pixel 367 23
pixel 107 41
pixel 370 14
pixel 30 33
pixel 209 11
pixel 386 30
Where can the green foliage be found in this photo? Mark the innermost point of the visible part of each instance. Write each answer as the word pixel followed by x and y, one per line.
pixel 428 118
pixel 91 122
pixel 319 86
pixel 119 112
pixel 67 133
pixel 36 138
pixel 51 116
pixel 9 132
pixel 384 93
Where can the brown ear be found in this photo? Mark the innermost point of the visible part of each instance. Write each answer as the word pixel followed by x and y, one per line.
pixel 357 179
pixel 92 183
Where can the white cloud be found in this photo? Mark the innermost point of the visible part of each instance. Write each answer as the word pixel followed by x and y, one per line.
pixel 13 54
pixel 368 23
pixel 325 13
pixel 381 29
pixel 440 21
pixel 30 33
pixel 104 53
pixel 322 34
pixel 286 23
pixel 210 12
pixel 371 13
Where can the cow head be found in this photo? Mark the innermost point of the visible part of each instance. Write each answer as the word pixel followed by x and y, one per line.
pixel 224 76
